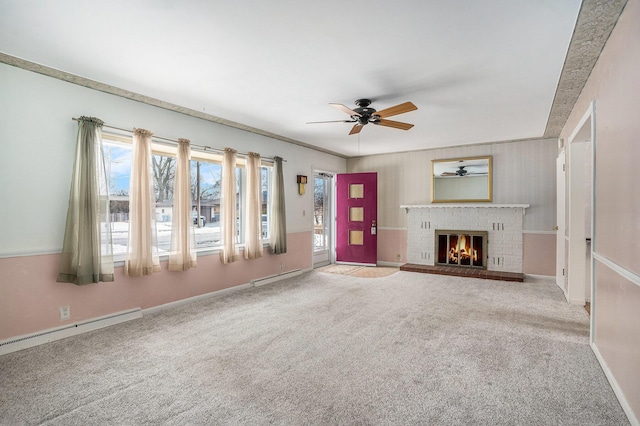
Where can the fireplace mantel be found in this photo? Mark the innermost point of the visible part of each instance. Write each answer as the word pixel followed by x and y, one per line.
pixel 467 205
pixel 502 222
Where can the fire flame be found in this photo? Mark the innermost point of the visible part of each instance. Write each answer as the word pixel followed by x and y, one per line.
pixel 463 251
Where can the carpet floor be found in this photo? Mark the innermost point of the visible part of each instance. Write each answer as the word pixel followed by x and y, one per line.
pixel 322 349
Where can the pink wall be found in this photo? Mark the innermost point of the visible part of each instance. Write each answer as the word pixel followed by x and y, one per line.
pixel 617 333
pixel 392 242
pixel 539 254
pixel 31 296
pixel 613 85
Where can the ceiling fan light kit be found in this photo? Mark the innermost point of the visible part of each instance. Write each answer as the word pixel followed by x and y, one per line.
pixel 363 115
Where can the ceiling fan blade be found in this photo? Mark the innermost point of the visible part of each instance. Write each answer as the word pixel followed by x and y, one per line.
pixel 345 108
pixel 333 121
pixel 448 174
pixel 356 129
pixel 394 124
pixel 395 110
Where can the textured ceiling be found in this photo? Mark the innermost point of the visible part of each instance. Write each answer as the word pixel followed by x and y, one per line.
pixel 477 71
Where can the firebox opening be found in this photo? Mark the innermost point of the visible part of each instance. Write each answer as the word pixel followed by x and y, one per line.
pixel 462 248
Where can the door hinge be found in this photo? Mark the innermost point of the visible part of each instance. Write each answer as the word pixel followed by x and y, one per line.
pixel 564 167
pixel 563 272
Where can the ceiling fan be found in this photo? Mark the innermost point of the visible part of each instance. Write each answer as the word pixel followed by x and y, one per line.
pixel 364 115
pixel 462 171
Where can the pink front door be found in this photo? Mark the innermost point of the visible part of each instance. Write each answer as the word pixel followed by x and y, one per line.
pixel 356 218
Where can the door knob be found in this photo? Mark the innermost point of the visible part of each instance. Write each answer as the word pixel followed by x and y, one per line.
pixel 555 228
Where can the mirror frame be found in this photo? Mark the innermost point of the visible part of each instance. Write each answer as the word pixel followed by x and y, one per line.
pixel 489 197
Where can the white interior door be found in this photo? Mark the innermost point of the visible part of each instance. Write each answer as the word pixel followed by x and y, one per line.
pixel 575 293
pixel 560 215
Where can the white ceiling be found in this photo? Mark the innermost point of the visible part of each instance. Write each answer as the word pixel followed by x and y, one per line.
pixel 478 71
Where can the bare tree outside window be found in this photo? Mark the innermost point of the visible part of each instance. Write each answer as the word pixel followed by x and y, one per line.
pixel 164 171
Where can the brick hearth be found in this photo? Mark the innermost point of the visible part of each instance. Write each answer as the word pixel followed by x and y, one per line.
pixel 463 272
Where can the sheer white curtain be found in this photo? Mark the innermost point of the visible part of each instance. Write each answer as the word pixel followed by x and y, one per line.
pixel 87 255
pixel 278 227
pixel 182 255
pixel 253 236
pixel 142 251
pixel 228 210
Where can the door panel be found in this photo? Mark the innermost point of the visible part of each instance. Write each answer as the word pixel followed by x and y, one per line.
pixel 356 218
pixel 560 217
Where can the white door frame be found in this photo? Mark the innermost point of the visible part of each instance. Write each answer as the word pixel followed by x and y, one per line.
pixel 576 202
pixel 328 256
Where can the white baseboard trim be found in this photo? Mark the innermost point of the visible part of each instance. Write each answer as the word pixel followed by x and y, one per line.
pixel 18 343
pixel 278 277
pixel 544 277
pixel 224 291
pixel 616 388
pixel 355 263
pixel 394 264
pixel 34 339
pixel 175 304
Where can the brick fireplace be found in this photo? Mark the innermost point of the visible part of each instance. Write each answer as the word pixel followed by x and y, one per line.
pixel 496 229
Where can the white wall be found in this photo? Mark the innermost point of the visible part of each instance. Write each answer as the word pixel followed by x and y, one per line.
pixel 37 140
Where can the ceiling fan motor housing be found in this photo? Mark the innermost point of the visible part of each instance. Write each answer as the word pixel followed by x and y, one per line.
pixel 366 113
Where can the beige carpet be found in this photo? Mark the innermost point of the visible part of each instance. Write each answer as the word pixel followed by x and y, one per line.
pixel 327 349
pixel 359 271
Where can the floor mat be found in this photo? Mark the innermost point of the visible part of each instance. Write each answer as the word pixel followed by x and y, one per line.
pixel 374 272
pixel 359 271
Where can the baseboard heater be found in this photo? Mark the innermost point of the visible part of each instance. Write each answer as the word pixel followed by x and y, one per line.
pixel 273 278
pixel 30 340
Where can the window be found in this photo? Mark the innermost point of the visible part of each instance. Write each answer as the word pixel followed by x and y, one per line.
pixel 240 204
pixel 118 168
pixel 267 176
pixel 206 184
pixel 206 180
pixel 164 172
pixel 117 152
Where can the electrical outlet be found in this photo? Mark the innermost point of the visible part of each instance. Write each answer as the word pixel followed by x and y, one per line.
pixel 65 313
pixel 399 256
pixel 281 265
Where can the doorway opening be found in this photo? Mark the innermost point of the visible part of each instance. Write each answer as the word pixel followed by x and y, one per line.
pixel 580 288
pixel 322 223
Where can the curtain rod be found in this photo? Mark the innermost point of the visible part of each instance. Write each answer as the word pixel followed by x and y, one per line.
pixel 174 142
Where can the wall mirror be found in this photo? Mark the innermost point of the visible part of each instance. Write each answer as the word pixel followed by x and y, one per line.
pixel 461 180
